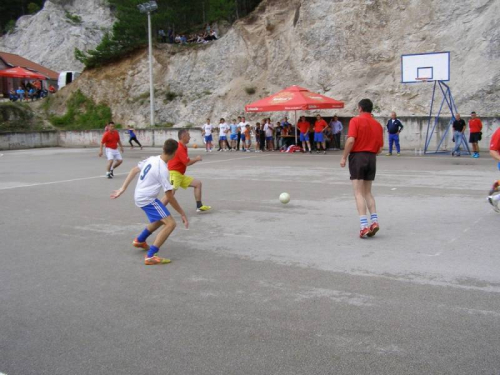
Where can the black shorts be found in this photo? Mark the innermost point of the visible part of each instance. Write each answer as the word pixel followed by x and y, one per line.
pixel 474 137
pixel 363 166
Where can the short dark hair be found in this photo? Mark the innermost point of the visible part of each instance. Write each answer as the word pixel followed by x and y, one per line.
pixel 111 123
pixel 473 113
pixel 181 132
pixel 170 146
pixel 366 105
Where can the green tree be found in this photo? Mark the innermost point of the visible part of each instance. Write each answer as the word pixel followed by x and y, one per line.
pixel 33 8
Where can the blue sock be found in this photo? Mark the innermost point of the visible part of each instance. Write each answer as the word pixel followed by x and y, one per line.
pixel 152 251
pixel 363 221
pixel 374 218
pixel 144 235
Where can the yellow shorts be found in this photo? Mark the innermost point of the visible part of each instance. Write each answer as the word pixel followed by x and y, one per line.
pixel 179 180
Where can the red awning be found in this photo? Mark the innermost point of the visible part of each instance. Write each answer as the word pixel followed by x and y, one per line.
pixel 294 98
pixel 19 72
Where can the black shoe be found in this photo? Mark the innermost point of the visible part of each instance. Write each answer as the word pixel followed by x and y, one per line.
pixel 111 173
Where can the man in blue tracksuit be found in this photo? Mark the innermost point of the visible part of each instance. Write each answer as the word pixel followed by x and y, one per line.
pixel 394 127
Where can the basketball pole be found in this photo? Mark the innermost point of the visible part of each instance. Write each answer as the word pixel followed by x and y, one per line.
pixel 450 102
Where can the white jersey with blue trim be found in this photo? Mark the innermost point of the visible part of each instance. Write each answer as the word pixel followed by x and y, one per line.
pixel 153 179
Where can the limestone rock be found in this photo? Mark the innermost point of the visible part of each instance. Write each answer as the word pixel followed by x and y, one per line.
pixel 50 36
pixel 348 50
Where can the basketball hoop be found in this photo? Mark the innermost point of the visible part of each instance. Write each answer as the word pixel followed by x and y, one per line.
pixel 423 79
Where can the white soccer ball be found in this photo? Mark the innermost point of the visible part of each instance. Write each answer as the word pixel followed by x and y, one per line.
pixel 284 198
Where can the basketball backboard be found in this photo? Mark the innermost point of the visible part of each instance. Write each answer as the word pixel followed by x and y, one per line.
pixel 425 67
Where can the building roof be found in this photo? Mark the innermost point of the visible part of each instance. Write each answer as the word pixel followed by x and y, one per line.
pixel 15 60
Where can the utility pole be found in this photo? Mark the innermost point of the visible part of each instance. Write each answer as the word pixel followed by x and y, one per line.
pixel 148 8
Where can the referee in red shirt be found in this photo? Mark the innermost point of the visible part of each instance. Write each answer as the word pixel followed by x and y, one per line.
pixel 364 142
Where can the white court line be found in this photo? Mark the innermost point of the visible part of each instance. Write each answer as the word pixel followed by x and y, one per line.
pixel 118 174
pixel 222 161
pixel 58 182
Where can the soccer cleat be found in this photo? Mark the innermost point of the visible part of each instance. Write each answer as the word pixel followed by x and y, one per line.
pixel 374 228
pixel 388 154
pixel 203 209
pixel 363 233
pixel 109 175
pixel 140 245
pixel 494 187
pixel 399 154
pixel 494 203
pixel 155 260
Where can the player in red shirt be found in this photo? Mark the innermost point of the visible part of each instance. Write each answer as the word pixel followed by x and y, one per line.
pixel 495 154
pixel 319 133
pixel 304 126
pixel 177 168
pixel 475 127
pixel 365 141
pixel 111 140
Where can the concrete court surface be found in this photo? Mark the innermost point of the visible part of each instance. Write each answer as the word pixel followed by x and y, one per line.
pixel 255 286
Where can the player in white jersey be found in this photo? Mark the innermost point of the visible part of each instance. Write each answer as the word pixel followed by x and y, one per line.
pixel 223 133
pixel 207 132
pixel 153 179
pixel 242 127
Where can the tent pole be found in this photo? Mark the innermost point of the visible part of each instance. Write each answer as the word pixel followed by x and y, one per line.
pixel 295 128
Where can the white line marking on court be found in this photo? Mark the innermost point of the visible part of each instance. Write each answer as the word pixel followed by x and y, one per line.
pixel 222 161
pixel 57 182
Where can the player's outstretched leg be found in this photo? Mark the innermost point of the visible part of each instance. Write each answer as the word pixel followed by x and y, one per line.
pixel 359 195
pixel 140 240
pixel 117 164
pixel 370 202
pixel 109 166
pixel 168 225
pixel 196 184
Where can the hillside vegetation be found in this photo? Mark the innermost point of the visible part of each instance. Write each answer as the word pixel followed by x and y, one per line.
pixel 130 30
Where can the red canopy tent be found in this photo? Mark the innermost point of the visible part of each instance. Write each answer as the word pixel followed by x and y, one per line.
pixel 19 72
pixel 293 98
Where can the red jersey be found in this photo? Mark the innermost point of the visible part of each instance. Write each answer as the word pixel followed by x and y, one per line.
pixel 180 161
pixel 495 141
pixel 320 125
pixel 367 132
pixel 303 126
pixel 475 125
pixel 111 139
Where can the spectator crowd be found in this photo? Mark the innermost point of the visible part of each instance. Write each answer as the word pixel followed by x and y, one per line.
pixel 268 135
pixel 206 36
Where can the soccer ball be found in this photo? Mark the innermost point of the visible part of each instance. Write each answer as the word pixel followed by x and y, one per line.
pixel 284 198
pixel 195 146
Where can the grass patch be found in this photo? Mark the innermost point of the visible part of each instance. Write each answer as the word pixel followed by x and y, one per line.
pixel 250 90
pixel 170 96
pixel 15 117
pixel 82 113
pixel 73 18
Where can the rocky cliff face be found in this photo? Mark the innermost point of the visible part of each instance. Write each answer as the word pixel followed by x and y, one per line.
pixel 50 37
pixel 346 49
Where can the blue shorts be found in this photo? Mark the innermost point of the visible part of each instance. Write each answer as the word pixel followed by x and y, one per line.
pixel 318 137
pixel 208 138
pixel 242 137
pixel 304 137
pixel 222 138
pixel 156 211
pixel 269 138
pixel 234 137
